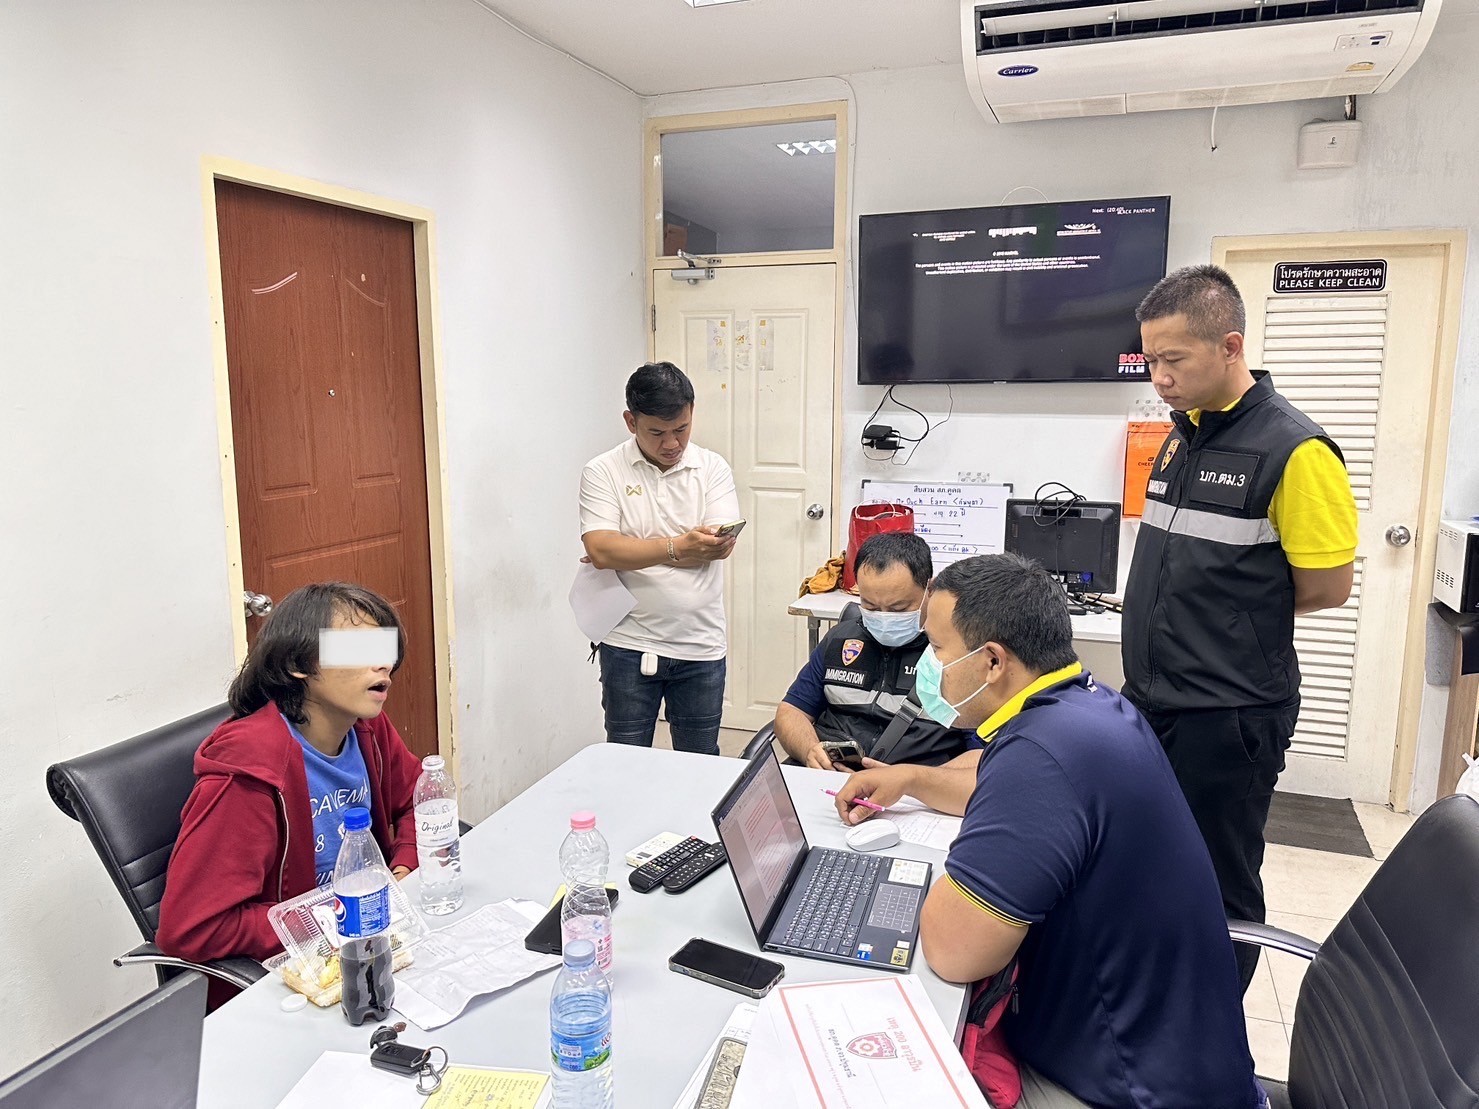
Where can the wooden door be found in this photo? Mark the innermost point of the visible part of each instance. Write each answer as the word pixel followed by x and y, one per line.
pixel 757 342
pixel 1362 364
pixel 323 355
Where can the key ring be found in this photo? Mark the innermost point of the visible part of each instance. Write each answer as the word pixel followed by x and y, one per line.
pixel 433 1073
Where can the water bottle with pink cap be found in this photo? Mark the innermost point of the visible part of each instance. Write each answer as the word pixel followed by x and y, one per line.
pixel 586 913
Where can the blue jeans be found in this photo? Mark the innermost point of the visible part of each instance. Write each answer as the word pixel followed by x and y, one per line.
pixel 694 692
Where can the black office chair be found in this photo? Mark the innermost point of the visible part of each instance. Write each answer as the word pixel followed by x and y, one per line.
pixel 128 798
pixel 1386 1015
pixel 762 739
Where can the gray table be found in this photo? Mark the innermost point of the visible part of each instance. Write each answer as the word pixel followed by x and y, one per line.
pixel 254 1053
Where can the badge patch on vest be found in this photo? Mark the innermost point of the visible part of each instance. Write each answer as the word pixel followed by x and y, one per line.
pixel 1171 448
pixel 1223 478
pixel 851 649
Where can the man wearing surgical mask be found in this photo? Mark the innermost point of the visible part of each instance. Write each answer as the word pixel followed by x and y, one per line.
pixel 856 679
pixel 1077 856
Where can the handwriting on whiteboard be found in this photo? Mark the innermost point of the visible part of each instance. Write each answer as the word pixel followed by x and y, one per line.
pixel 957 521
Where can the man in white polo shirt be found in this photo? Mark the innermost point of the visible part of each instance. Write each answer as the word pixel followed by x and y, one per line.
pixel 649 510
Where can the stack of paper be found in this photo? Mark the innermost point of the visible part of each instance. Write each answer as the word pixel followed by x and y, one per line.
pixel 481 954
pixel 918 823
pixel 344 1078
pixel 869 1043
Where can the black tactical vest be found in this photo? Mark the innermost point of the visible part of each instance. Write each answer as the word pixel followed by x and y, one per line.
pixel 866 682
pixel 1209 606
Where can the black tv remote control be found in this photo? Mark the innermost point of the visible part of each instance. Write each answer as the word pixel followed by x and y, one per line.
pixel 710 859
pixel 650 874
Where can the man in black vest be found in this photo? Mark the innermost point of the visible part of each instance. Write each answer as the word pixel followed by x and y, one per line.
pixel 1249 520
pixel 859 675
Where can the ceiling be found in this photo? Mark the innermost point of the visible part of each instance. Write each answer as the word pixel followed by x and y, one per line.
pixel 658 46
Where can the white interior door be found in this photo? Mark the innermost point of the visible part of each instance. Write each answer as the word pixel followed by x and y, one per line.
pixel 1362 364
pixel 758 343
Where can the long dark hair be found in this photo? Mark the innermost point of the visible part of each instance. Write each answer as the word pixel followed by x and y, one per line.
pixel 288 642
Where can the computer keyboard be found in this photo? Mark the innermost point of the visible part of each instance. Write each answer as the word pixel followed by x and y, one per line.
pixel 834 904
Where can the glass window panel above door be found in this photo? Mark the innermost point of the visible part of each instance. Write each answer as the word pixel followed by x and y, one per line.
pixel 746 190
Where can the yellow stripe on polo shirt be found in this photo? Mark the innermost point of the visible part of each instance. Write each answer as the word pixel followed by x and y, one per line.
pixel 994 722
pixel 985 906
pixel 1312 510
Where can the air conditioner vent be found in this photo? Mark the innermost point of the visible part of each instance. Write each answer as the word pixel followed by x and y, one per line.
pixel 1232 16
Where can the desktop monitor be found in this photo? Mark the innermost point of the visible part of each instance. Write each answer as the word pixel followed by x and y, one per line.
pixel 1078 542
pixel 145 1055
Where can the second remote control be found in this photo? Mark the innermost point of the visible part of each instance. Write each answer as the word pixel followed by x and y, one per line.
pixel 710 859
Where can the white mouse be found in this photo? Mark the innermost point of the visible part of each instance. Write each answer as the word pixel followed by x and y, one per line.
pixel 873 835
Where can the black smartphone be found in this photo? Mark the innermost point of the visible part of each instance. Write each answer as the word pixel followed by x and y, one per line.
pixel 724 966
pixel 844 752
pixel 545 937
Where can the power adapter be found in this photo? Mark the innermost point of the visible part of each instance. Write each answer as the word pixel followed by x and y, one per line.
pixel 881 437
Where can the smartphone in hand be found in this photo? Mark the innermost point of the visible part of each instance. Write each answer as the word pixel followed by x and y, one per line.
pixel 727 531
pixel 844 752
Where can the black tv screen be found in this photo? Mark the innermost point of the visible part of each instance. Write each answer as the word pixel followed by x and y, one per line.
pixel 1036 292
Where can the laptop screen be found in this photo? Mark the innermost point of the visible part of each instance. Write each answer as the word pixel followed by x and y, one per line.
pixel 762 834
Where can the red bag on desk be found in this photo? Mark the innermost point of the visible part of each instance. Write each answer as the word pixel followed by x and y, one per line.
pixel 867 521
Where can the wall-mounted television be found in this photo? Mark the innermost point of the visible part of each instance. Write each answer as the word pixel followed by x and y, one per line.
pixel 1035 292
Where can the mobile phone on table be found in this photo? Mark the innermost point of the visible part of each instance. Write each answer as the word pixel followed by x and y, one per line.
pixel 725 966
pixel 724 531
pixel 844 752
pixel 545 937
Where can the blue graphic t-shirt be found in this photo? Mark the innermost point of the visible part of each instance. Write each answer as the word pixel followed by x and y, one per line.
pixel 335 783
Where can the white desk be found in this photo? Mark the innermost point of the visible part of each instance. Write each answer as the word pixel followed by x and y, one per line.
pixel 663 1022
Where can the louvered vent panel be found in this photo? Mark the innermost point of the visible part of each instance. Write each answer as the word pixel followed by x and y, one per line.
pixel 1326 355
pixel 1326 645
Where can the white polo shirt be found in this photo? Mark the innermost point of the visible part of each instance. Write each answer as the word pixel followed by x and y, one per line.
pixel 680 612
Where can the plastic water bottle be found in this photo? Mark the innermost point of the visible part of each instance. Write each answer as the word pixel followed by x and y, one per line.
pixel 580 1031
pixel 438 844
pixel 362 912
pixel 586 913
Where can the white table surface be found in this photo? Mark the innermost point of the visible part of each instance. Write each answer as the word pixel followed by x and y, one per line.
pixel 1096 627
pixel 254 1053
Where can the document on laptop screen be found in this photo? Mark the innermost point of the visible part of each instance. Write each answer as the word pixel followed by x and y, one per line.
pixel 762 835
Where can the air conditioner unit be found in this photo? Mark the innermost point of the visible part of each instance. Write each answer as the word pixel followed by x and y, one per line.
pixel 1051 60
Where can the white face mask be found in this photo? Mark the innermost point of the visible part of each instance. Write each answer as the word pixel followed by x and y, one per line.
pixel 892 629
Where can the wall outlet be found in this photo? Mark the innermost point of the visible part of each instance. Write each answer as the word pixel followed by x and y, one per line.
pixel 973 477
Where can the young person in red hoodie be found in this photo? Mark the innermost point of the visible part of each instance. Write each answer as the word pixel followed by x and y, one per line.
pixel 303 743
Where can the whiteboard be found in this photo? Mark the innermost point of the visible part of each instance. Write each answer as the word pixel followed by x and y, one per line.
pixel 957 521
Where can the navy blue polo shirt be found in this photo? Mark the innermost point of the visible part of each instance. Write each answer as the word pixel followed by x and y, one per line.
pixel 1129 994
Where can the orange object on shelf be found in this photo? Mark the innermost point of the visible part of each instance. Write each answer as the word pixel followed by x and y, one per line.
pixel 1142 443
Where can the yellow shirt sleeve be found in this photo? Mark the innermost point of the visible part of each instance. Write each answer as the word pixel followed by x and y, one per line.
pixel 1313 509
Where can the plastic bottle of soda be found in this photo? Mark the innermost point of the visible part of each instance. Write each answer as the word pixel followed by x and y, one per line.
pixel 586 912
pixel 438 844
pixel 362 911
pixel 580 1031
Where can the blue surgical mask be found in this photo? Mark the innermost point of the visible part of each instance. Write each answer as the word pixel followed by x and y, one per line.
pixel 927 676
pixel 892 629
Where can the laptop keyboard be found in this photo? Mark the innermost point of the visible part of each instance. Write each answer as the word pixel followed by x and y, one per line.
pixel 836 899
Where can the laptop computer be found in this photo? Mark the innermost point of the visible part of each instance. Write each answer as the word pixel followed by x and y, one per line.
pixel 147 1054
pixel 841 906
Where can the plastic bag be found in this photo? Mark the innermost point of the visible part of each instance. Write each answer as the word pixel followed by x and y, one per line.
pixel 1468 783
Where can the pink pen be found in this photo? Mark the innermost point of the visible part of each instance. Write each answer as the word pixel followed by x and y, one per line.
pixel 858 801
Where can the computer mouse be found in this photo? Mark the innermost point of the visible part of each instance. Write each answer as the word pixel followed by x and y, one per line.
pixel 873 835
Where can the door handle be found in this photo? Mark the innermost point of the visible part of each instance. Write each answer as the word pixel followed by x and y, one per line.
pixel 815 512
pixel 256 604
pixel 1398 535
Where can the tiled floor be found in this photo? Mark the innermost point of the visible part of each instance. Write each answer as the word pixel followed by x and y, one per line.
pixel 1307 892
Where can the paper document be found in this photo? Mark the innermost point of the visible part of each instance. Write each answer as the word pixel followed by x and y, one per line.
pixel 346 1078
pixel 920 824
pixel 599 601
pixel 482 954
pixel 737 1027
pixel 871 1043
pixel 463 1087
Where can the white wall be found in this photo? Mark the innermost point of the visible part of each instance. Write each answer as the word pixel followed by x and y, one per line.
pixel 920 143
pixel 113 585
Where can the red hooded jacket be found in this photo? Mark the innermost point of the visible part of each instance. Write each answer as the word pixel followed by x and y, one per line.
pixel 246 833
